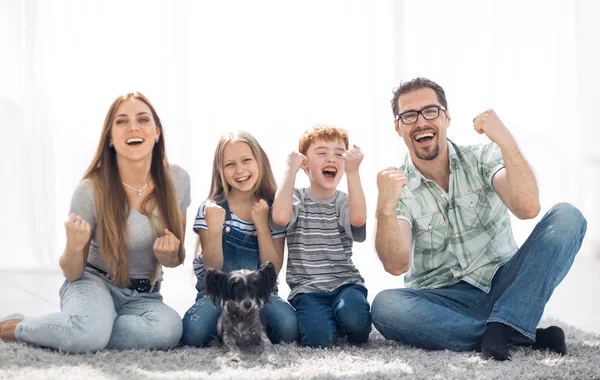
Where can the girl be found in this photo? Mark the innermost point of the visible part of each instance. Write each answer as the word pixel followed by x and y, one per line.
pixel 127 219
pixel 233 233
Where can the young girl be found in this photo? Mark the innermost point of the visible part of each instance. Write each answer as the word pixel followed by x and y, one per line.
pixel 233 232
pixel 127 220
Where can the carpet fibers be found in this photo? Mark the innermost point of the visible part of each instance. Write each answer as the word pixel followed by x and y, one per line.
pixel 378 359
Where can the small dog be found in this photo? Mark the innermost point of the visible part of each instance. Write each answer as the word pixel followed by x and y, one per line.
pixel 242 295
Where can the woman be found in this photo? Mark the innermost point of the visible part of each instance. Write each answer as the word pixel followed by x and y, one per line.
pixel 127 220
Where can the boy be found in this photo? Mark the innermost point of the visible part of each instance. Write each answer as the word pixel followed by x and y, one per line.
pixel 327 291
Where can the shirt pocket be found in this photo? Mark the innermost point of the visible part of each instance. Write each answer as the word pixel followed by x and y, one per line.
pixel 470 206
pixel 430 235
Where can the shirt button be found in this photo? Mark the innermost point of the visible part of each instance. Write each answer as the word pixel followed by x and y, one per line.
pixel 430 227
pixel 457 234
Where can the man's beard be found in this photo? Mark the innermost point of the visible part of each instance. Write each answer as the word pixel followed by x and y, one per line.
pixel 430 155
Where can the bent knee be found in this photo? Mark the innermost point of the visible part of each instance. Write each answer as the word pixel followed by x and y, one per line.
pixel 85 334
pixel 316 337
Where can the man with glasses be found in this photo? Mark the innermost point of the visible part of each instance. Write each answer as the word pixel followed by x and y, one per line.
pixel 443 221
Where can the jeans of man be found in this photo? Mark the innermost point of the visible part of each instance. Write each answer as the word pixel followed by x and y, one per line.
pixel 455 317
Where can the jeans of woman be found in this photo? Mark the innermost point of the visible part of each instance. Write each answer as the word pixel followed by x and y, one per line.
pixel 96 314
pixel 455 317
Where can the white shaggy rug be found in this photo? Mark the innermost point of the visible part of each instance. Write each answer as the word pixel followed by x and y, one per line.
pixel 378 359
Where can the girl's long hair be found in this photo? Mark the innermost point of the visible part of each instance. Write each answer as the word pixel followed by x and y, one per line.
pixel 112 204
pixel 265 186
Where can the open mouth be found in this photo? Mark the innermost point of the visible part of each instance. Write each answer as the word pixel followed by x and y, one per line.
pixel 134 141
pixel 329 172
pixel 424 137
pixel 243 179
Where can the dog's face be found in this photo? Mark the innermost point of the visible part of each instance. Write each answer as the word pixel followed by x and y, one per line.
pixel 241 291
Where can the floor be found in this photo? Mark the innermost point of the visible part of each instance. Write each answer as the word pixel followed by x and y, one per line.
pixel 575 301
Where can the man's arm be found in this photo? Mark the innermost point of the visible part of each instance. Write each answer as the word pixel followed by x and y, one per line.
pixel 393 237
pixel 515 184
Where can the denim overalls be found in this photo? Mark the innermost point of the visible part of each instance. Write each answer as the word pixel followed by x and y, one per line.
pixel 240 251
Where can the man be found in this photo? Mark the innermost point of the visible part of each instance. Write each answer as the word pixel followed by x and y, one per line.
pixel 442 218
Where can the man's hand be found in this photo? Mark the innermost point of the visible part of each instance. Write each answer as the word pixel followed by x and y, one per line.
pixel 352 158
pixel 78 233
pixel 168 244
pixel 260 213
pixel 214 215
pixel 489 123
pixel 390 182
pixel 295 161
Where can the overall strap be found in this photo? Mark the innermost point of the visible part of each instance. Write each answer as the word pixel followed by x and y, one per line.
pixel 223 203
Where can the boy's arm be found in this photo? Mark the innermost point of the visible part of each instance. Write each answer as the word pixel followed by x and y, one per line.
pixel 283 202
pixel 357 206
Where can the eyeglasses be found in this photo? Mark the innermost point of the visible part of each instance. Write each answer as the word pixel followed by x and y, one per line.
pixel 429 113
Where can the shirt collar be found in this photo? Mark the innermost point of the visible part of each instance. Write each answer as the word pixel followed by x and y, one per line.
pixel 415 177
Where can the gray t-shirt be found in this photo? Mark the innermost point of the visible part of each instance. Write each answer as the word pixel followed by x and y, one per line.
pixel 319 240
pixel 141 235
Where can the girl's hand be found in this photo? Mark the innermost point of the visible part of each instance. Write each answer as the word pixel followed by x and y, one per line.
pixel 352 159
pixel 296 161
pixel 214 215
pixel 166 244
pixel 78 233
pixel 260 213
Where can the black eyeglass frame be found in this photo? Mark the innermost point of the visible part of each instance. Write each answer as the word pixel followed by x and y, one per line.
pixel 398 117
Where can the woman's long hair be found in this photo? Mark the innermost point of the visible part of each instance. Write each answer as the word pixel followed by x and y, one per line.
pixel 265 186
pixel 112 204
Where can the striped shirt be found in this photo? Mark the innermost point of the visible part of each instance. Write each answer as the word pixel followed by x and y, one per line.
pixel 235 223
pixel 319 241
pixel 462 235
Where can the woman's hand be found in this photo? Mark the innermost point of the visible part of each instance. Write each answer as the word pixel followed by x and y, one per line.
pixel 166 249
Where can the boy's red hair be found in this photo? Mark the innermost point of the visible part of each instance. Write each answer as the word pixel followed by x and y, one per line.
pixel 321 132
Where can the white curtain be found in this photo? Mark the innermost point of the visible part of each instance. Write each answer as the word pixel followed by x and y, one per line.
pixel 275 68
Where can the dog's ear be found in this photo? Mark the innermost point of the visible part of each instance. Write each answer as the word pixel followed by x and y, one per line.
pixel 214 283
pixel 269 278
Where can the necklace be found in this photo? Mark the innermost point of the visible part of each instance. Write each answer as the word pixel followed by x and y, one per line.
pixel 139 191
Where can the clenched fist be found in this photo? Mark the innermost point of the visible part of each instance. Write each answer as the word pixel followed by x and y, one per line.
pixel 390 182
pixel 260 213
pixel 296 161
pixel 166 244
pixel 489 123
pixel 352 159
pixel 214 215
pixel 78 233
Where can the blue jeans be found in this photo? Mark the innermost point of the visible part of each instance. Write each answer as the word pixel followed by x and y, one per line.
pixel 240 251
pixel 200 321
pixel 323 316
pixel 96 314
pixel 455 317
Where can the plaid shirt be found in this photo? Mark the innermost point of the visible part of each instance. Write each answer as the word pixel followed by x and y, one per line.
pixel 462 235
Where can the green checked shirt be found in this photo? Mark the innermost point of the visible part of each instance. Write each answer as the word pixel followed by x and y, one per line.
pixel 462 235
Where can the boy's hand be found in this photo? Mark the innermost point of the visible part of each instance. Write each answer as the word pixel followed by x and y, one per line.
pixel 390 182
pixel 214 215
pixel 296 161
pixel 352 158
pixel 78 233
pixel 260 213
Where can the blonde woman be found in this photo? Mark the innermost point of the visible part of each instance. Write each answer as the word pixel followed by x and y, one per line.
pixel 127 220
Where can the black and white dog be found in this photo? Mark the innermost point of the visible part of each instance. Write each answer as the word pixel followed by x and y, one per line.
pixel 241 294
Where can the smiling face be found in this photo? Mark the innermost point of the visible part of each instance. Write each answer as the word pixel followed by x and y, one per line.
pixel 240 168
pixel 133 131
pixel 425 139
pixel 325 166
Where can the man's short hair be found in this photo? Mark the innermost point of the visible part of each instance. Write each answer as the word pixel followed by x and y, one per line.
pixel 417 84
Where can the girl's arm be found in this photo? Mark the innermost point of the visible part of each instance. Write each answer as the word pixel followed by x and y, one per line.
pixel 211 239
pixel 73 260
pixel 269 249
